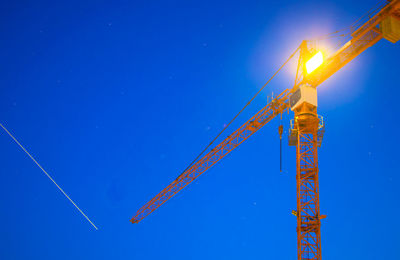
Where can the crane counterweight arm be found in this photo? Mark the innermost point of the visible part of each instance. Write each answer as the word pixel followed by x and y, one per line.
pixel 365 35
pixel 277 106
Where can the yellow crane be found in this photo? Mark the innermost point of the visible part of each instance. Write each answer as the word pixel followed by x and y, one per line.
pixel 307 127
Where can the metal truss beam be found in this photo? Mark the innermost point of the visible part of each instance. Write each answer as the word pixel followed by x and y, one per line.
pixel 277 106
pixel 308 213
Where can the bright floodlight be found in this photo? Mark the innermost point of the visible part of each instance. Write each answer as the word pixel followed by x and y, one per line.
pixel 314 62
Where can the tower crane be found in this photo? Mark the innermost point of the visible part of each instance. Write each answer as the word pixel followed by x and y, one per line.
pixel 307 127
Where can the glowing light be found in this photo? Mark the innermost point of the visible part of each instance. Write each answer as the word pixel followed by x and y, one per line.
pixel 313 63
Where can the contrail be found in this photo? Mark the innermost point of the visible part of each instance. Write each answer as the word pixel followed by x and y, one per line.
pixel 48 175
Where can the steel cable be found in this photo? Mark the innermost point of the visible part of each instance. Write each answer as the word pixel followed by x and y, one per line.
pixel 233 119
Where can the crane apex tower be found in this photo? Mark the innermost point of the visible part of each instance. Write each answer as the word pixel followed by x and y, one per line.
pixel 305 93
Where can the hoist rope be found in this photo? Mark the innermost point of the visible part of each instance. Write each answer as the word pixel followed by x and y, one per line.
pixel 351 28
pixel 379 5
pixel 48 175
pixel 233 119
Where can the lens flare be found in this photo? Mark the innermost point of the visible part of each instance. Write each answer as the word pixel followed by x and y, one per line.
pixel 313 63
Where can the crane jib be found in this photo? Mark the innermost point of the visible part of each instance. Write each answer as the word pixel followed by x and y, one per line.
pixel 277 106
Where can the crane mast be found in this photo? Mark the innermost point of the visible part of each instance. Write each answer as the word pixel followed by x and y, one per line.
pixel 306 130
pixel 308 213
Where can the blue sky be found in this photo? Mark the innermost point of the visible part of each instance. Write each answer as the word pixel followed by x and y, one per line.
pixel 115 98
